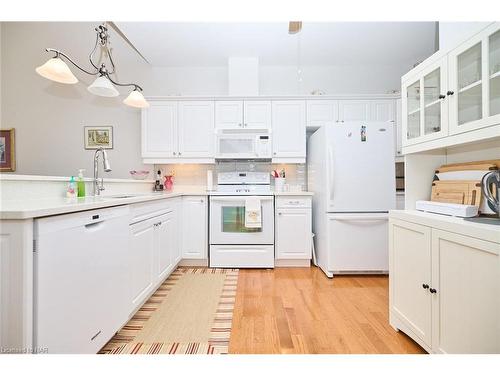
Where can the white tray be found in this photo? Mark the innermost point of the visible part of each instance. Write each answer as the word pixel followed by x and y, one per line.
pixel 450 209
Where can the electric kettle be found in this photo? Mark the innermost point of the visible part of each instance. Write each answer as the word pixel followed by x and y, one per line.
pixel 491 190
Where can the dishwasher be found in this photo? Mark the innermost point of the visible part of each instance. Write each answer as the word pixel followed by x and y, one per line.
pixel 81 270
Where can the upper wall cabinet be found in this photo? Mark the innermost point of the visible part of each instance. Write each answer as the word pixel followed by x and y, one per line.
pixel 237 114
pixel 322 112
pixel 196 129
pixel 475 81
pixel 178 132
pixel 289 131
pixel 425 106
pixel 354 110
pixel 382 110
pixel 454 97
pixel 159 130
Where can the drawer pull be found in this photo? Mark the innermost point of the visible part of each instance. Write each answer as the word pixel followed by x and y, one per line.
pixel 432 290
pixel 425 286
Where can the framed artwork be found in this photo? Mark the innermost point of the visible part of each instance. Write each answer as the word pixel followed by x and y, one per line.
pixel 7 150
pixel 98 136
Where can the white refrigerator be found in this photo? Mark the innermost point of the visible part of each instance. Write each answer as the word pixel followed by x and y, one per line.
pixel 352 174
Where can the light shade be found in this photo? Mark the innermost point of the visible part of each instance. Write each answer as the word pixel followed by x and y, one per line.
pixel 136 99
pixel 56 70
pixel 103 87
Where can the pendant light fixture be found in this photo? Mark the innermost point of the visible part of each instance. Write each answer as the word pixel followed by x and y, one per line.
pixel 57 70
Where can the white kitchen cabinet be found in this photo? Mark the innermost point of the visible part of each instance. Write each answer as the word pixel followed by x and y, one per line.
pixel 354 110
pixel 322 112
pixel 164 233
pixel 293 233
pixel 466 298
pixel 176 238
pixel 194 241
pixel 238 114
pixel 142 255
pixel 196 135
pixel 154 247
pixel 159 130
pixel 444 288
pixel 382 110
pixel 410 277
pixel 257 114
pixel 228 114
pixel 289 131
pixel 474 79
pixel 453 97
pixel 178 132
pixel 425 104
pixel 398 131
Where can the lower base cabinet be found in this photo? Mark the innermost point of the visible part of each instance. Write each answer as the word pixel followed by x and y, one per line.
pixel 444 289
pixel 154 253
pixel 194 231
pixel 293 228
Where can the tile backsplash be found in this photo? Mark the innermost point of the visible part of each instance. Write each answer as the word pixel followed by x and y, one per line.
pixel 196 174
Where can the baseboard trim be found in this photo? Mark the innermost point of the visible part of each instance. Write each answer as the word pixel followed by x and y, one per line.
pixel 193 263
pixel 292 263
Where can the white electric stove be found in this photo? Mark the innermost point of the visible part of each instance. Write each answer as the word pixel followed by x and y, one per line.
pixel 232 245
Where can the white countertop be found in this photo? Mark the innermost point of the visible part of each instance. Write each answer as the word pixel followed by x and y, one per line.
pixel 32 208
pixel 488 232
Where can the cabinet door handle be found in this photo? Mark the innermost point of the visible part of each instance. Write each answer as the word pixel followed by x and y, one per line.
pixel 432 290
pixel 174 152
pixel 180 154
pixel 449 93
pixel 441 96
pixel 280 213
pixel 425 286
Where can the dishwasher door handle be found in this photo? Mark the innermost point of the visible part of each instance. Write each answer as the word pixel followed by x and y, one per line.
pixel 95 225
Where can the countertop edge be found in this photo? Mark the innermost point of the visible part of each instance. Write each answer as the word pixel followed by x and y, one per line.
pixel 73 205
pixel 487 232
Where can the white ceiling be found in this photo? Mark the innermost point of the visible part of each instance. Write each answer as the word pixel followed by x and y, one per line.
pixel 338 43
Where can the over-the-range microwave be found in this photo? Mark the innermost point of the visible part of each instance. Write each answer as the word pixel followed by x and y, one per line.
pixel 243 144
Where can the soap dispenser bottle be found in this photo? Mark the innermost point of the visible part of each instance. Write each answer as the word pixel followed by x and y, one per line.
pixel 80 184
pixel 71 192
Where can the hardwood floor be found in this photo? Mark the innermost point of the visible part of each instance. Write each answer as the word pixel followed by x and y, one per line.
pixel 300 310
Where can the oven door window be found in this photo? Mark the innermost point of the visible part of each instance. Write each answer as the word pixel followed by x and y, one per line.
pixel 233 220
pixel 236 145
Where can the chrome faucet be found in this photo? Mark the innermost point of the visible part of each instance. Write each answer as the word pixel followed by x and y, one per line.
pixel 107 168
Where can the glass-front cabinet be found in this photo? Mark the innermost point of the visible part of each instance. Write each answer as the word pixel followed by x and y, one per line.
pixel 494 73
pixel 474 82
pixel 424 105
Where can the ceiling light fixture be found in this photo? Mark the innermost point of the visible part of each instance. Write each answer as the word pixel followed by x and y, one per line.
pixel 57 70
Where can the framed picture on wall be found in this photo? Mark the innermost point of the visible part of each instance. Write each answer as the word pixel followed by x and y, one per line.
pixel 98 136
pixel 7 150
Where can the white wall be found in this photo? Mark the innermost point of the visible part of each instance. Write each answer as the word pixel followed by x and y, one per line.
pixel 453 33
pixel 49 117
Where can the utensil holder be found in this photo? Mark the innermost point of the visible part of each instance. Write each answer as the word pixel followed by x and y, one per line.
pixel 279 183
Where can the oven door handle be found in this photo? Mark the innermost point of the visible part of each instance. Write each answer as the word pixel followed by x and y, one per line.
pixel 238 198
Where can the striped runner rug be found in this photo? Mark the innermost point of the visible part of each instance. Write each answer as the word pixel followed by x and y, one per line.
pixel 196 319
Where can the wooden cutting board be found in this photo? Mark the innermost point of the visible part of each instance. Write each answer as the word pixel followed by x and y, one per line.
pixel 482 165
pixel 457 191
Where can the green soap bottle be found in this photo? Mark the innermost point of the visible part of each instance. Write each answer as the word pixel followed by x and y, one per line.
pixel 80 184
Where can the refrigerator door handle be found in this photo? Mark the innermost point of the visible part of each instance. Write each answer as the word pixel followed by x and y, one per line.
pixel 330 173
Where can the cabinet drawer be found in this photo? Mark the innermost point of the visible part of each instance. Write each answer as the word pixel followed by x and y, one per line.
pixel 143 211
pixel 293 202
